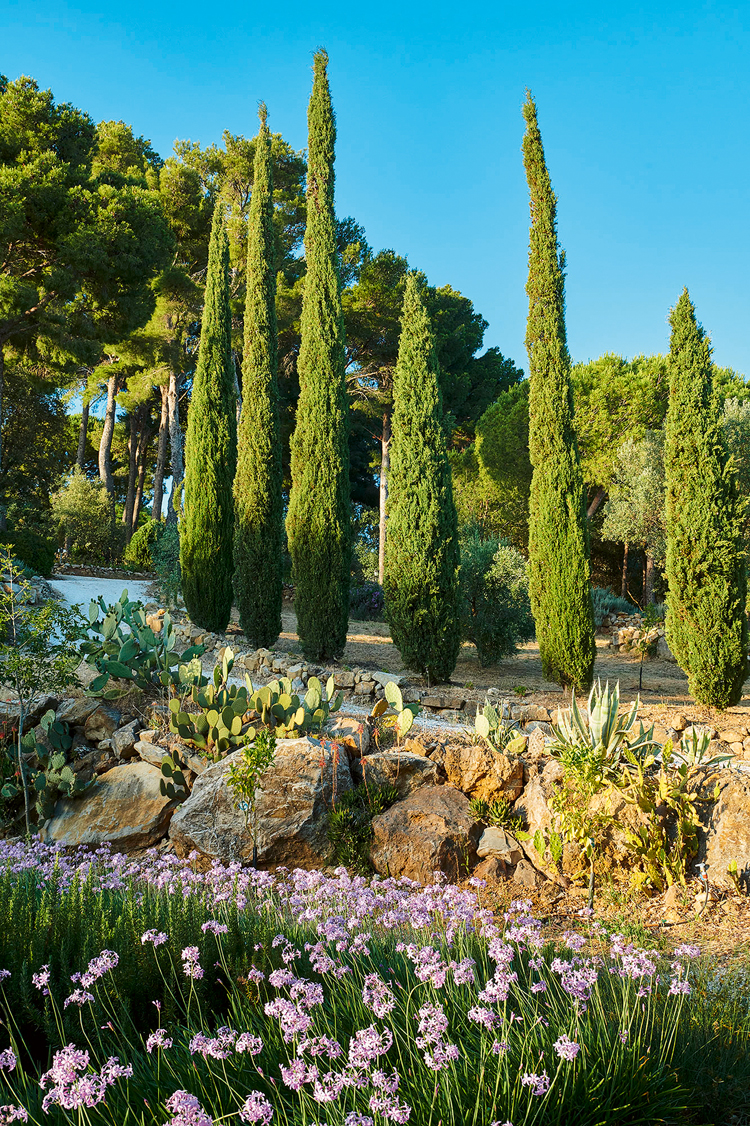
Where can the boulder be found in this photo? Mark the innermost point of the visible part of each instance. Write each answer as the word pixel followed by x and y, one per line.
pixel 295 795
pixel 430 830
pixel 352 732
pixel 727 835
pixel 75 712
pixel 663 652
pixel 525 713
pixel 491 869
pixel 124 739
pixel 149 752
pixel 344 678
pixel 102 723
pixel 382 678
pixel 527 876
pixel 42 704
pixel 494 841
pixel 124 808
pixel 403 770
pixel 483 773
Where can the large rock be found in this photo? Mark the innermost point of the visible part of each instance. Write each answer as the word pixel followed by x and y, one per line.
pixel 123 808
pixel 125 738
pixel 77 710
pixel 483 773
pixel 431 830
pixel 102 723
pixel 727 836
pixel 403 770
pixel 352 732
pixel 298 791
pixel 9 711
pixel 494 841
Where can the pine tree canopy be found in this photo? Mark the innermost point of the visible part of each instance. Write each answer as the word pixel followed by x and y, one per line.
pixel 559 567
pixel 706 622
pixel 318 520
pixel 257 486
pixel 207 525
pixel 421 547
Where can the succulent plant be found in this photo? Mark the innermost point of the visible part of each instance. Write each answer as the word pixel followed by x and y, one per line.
pixel 405 714
pixel 56 776
pixel 497 734
pixel 173 783
pixel 125 646
pixel 600 738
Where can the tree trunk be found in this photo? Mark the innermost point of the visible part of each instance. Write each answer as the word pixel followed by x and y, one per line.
pixel 127 512
pixel 385 442
pixel 161 455
pixel 175 445
pixel 624 590
pixel 2 404
pixel 648 586
pixel 237 365
pixel 82 435
pixel 596 502
pixel 140 461
pixel 105 442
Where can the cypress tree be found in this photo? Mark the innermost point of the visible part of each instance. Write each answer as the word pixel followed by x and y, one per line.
pixel 257 486
pixel 318 521
pixel 559 562
pixel 421 545
pixel 207 524
pixel 706 623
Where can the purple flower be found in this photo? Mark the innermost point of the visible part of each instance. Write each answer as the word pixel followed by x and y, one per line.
pixel 298 1073
pixel 158 1039
pixel 4 974
pixel 79 997
pixel 390 1108
pixel 187 1111
pixel 214 927
pixel 685 950
pixel 256 1108
pixel 157 937
pixel 354 1119
pixel 10 1114
pixel 378 996
pixel 190 964
pixel 566 1048
pixel 8 1060
pixel 539 1083
pixel 41 980
pixel 247 1043
pixel 97 968
pixel 367 1045
pixel 73 1085
pixel 676 986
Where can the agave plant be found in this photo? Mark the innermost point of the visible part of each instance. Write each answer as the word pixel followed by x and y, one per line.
pixel 598 740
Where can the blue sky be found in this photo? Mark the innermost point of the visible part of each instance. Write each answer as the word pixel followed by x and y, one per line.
pixel 643 112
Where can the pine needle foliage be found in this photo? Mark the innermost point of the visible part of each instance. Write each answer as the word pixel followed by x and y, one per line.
pixel 207 523
pixel 318 520
pixel 421 547
pixel 706 622
pixel 257 485
pixel 559 560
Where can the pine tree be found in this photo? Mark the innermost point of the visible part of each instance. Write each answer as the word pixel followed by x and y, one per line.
pixel 559 562
pixel 706 623
pixel 207 524
pixel 421 545
pixel 257 486
pixel 318 521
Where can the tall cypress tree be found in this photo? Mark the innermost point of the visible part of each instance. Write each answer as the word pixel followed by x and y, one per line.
pixel 257 486
pixel 207 524
pixel 559 562
pixel 421 545
pixel 318 521
pixel 706 623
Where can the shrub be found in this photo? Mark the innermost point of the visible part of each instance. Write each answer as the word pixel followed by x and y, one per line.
pixel 82 511
pixel 34 551
pixel 165 554
pixel 366 602
pixel 494 588
pixel 605 602
pixel 138 554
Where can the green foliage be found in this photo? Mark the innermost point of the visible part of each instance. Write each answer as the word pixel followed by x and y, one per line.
pixel 207 524
pixel 421 551
pixel 34 551
pixel 318 520
pixel 257 484
pixel 124 646
pixel 166 558
pixel 606 602
pixel 403 715
pixel 349 825
pixel 138 555
pixel 706 622
pixel 229 713
pixel 81 509
pixel 56 778
pixel 634 512
pixel 559 566
pixel 38 655
pixel 595 743
pixel 489 725
pixel 494 590
pixel 173 784
pixel 498 813
pixel 245 776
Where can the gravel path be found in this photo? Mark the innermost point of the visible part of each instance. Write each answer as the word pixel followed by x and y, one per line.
pixel 81 589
